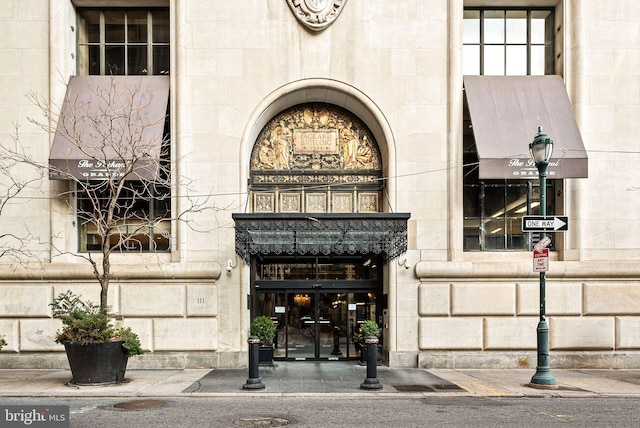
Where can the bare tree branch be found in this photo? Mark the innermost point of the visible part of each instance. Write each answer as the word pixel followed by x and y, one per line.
pixel 126 206
pixel 16 181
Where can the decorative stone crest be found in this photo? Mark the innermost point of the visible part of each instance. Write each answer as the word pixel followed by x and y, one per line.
pixel 316 15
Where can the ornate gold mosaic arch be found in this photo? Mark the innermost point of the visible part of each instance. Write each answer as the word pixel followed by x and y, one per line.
pixel 316 158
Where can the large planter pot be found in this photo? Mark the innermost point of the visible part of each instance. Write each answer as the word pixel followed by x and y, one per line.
pixel 363 354
pixel 96 363
pixel 265 354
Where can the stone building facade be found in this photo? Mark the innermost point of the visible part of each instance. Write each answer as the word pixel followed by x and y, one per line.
pixel 366 111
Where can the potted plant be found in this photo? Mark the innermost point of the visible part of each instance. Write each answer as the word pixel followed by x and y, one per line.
pixel 367 328
pixel 3 342
pixel 265 329
pixel 97 349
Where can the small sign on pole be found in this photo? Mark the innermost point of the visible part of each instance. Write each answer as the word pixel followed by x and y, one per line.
pixel 543 243
pixel 541 260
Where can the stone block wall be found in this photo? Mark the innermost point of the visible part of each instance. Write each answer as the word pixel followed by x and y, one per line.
pixel 176 317
pixel 496 318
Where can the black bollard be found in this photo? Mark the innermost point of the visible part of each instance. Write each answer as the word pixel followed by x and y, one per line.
pixel 371 382
pixel 254 381
pixel 336 341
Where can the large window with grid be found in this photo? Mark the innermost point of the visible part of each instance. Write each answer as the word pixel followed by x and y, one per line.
pixel 506 42
pixel 123 41
pixel 127 41
pixel 141 215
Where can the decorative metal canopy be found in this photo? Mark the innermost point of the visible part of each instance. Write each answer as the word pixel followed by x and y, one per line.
pixel 382 234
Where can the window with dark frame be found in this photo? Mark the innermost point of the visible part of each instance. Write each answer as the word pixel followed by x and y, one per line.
pixel 503 41
pixel 123 41
pixel 130 41
pixel 142 218
pixel 508 42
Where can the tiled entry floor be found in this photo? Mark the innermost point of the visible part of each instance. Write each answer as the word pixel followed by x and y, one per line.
pixel 322 377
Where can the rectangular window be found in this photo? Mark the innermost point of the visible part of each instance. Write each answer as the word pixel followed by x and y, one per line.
pixel 508 42
pixel 127 41
pixel 142 215
pixel 503 41
pixel 123 41
pixel 493 210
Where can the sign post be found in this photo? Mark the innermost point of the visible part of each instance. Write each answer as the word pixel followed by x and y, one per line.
pixel 541 149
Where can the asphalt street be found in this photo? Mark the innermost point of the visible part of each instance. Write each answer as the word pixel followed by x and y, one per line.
pixel 374 411
pixel 330 395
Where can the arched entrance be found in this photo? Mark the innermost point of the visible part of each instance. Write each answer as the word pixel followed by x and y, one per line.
pixel 317 236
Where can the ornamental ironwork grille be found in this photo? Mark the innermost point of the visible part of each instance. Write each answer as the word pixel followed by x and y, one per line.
pixel 383 234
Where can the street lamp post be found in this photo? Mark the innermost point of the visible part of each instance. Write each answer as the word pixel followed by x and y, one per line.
pixel 541 149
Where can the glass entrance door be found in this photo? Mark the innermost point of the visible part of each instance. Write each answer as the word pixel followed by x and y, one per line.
pixel 316 324
pixel 300 331
pixel 318 303
pixel 333 324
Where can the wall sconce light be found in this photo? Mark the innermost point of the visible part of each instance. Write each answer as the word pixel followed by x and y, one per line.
pixel 404 263
pixel 230 265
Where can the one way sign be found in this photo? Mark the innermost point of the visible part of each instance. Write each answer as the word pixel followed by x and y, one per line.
pixel 539 223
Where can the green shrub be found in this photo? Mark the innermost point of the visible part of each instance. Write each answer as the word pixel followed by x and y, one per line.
pixel 369 328
pixel 130 341
pixel 3 342
pixel 264 328
pixel 84 322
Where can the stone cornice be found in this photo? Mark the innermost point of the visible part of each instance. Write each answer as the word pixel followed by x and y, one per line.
pixel 522 270
pixel 121 272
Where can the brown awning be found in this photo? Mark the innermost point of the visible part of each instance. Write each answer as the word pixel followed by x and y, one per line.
pixel 107 122
pixel 506 112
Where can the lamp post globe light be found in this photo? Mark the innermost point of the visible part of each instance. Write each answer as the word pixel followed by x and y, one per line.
pixel 541 149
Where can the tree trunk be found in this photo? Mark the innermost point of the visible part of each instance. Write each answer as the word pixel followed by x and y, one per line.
pixel 105 276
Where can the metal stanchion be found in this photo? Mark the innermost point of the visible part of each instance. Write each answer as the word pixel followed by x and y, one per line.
pixel 254 381
pixel 336 341
pixel 371 382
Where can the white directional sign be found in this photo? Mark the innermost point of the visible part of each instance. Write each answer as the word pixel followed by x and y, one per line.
pixel 539 223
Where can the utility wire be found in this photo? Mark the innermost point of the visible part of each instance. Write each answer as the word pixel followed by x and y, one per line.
pixel 244 195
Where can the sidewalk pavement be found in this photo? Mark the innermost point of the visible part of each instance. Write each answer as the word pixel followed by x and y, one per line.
pixel 326 379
